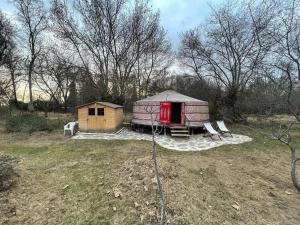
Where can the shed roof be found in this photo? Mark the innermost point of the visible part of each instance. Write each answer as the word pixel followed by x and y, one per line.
pixel 171 96
pixel 108 104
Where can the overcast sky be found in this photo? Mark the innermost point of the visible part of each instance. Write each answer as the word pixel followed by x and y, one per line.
pixel 177 16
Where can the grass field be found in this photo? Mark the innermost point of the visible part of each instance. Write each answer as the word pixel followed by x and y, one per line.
pixel 64 181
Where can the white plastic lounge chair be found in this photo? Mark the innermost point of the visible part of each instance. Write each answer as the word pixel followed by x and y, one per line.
pixel 70 127
pixel 222 128
pixel 211 131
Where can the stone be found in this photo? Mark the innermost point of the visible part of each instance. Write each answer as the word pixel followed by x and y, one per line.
pixel 236 206
pixel 146 188
pixel 154 181
pixel 117 193
pixel 151 213
pixel 136 205
pixel 142 217
pixel 288 193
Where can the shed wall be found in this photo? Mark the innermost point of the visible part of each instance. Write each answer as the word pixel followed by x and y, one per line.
pixel 119 117
pixel 112 118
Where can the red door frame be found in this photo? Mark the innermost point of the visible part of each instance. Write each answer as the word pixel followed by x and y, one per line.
pixel 182 113
pixel 165 113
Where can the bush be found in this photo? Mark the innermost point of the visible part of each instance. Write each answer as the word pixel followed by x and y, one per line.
pixel 4 111
pixel 27 122
pixel 7 173
pixel 18 105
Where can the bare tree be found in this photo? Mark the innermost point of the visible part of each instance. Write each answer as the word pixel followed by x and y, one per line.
pixel 284 136
pixel 13 63
pixel 6 36
pixel 57 75
pixel 228 48
pixel 152 110
pixel 285 58
pixel 283 69
pixel 113 40
pixel 6 45
pixel 32 16
pixel 286 36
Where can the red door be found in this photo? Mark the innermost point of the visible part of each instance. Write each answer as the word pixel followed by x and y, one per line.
pixel 165 112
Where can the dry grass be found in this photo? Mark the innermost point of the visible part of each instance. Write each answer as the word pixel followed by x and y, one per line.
pixel 283 118
pixel 59 116
pixel 65 181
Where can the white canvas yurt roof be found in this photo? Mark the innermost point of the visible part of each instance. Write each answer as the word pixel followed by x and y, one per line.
pixel 171 96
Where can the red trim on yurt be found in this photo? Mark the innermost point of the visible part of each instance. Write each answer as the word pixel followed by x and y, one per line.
pixel 165 112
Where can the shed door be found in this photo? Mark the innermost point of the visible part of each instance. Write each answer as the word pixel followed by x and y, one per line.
pixel 165 112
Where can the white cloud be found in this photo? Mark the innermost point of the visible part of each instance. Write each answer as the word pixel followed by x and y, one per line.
pixel 178 16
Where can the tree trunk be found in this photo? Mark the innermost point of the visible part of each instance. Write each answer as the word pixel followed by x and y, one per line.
pixel 30 104
pixel 294 173
pixel 160 190
pixel 230 112
pixel 66 106
pixel 14 87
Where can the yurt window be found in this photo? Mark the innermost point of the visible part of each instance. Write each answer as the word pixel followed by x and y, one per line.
pixel 91 111
pixel 100 111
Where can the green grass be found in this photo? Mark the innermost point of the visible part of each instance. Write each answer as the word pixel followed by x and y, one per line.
pixel 200 187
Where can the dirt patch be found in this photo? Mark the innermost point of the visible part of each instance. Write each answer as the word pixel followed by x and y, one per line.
pixel 137 184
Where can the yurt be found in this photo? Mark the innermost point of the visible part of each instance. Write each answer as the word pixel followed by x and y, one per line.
pixel 170 109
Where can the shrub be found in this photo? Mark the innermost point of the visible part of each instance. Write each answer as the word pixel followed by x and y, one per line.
pixel 27 122
pixel 7 172
pixel 18 105
pixel 4 111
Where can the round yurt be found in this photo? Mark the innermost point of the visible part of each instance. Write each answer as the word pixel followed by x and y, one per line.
pixel 170 108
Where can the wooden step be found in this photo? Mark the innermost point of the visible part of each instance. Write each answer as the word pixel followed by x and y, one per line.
pixel 180 135
pixel 178 127
pixel 179 131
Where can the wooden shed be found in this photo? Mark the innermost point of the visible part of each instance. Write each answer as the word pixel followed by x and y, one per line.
pixel 99 116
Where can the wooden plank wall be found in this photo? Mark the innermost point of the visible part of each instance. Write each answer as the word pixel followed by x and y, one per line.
pixel 111 120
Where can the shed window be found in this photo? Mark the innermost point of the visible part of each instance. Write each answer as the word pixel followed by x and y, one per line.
pixel 100 111
pixel 91 111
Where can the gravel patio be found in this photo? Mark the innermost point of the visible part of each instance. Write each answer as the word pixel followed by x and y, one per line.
pixel 195 143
